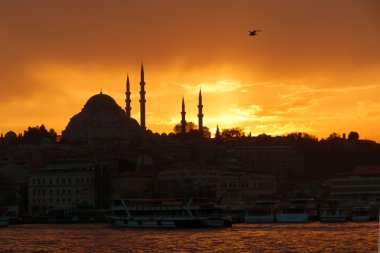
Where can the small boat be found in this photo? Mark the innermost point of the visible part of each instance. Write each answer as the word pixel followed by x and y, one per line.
pixel 167 213
pixel 333 214
pixel 4 220
pixel 296 210
pixel 261 212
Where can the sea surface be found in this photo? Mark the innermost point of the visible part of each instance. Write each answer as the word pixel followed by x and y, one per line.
pixel 309 237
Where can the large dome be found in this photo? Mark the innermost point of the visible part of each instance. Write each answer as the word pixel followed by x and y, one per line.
pixel 101 120
pixel 100 102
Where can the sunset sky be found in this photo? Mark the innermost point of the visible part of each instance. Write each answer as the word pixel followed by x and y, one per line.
pixel 314 68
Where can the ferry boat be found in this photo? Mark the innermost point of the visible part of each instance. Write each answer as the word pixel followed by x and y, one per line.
pixel 261 212
pixel 169 213
pixel 333 214
pixel 296 210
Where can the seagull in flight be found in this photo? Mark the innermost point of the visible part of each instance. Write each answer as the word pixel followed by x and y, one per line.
pixel 254 32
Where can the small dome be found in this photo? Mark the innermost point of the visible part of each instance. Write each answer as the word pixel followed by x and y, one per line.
pixel 100 102
pixel 10 137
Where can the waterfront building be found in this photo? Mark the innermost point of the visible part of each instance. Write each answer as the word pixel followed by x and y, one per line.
pixel 67 186
pixel 362 183
pixel 244 186
pixel 281 160
pixel 193 178
pixel 130 184
pixel 198 175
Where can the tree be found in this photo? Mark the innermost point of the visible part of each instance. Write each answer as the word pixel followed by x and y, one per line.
pixel 192 130
pixel 34 135
pixel 189 127
pixel 206 132
pixel 301 136
pixel 235 132
pixel 334 136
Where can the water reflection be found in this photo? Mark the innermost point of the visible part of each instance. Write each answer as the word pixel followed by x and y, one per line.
pixel 310 237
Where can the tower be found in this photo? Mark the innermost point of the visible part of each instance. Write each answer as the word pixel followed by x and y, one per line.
pixel 217 134
pixel 183 121
pixel 200 114
pixel 128 99
pixel 142 99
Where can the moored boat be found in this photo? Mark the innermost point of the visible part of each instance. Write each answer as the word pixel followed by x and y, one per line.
pixel 363 213
pixel 296 210
pixel 4 220
pixel 172 213
pixel 333 214
pixel 261 212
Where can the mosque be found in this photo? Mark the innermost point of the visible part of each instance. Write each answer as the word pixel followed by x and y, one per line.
pixel 102 120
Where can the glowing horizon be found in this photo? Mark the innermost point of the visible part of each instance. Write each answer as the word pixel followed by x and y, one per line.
pixel 305 72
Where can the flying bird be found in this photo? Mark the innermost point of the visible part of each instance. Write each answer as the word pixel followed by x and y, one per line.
pixel 254 32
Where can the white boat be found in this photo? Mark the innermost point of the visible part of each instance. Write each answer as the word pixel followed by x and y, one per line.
pixel 261 212
pixel 333 214
pixel 172 213
pixel 363 213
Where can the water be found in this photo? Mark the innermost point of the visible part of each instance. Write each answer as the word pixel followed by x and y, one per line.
pixel 310 237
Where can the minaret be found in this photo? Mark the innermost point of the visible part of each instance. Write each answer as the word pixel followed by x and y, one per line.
pixel 200 114
pixel 217 133
pixel 128 100
pixel 183 121
pixel 142 99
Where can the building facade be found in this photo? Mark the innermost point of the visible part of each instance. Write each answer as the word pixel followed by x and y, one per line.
pixel 362 183
pixel 243 186
pixel 67 186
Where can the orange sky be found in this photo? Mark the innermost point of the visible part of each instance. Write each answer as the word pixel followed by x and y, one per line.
pixel 315 67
